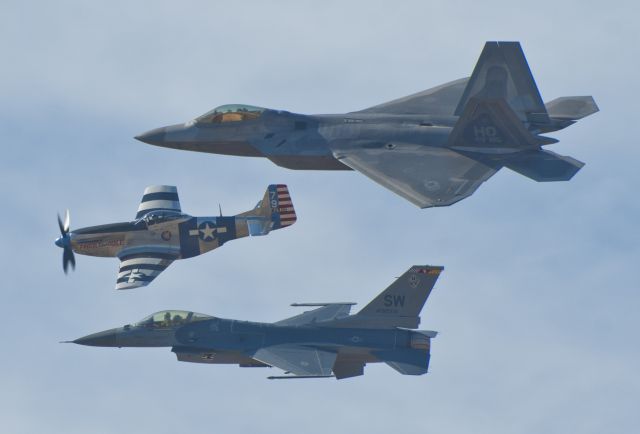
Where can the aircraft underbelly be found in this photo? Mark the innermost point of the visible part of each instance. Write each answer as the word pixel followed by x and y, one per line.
pixel 304 162
pixel 237 148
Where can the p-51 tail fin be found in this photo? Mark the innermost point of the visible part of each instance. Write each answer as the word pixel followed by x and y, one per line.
pixel 274 211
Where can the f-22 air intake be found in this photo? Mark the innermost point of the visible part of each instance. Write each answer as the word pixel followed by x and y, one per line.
pixel 434 148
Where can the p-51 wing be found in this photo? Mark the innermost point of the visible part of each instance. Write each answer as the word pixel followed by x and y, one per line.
pixel 140 269
pixel 426 176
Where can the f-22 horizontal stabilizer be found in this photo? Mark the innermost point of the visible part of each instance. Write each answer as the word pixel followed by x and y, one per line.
pixel 545 166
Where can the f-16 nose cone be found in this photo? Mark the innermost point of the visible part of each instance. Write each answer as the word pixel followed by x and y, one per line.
pixel 153 137
pixel 101 339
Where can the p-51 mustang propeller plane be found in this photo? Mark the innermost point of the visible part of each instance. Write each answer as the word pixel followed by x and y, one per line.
pixel 161 233
pixel 312 344
pixel 433 148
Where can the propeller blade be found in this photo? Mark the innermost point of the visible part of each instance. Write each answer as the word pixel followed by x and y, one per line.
pixel 61 226
pixel 68 258
pixel 67 221
pixel 65 262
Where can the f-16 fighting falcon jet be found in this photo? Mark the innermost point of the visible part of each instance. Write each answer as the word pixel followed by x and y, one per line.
pixel 312 344
pixel 161 233
pixel 433 148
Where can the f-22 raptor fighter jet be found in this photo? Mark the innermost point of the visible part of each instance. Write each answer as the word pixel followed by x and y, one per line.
pixel 433 148
pixel 161 233
pixel 315 343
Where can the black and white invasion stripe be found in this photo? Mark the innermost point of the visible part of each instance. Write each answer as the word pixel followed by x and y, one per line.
pixel 159 197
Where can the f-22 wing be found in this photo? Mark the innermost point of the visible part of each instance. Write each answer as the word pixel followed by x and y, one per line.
pixel 425 176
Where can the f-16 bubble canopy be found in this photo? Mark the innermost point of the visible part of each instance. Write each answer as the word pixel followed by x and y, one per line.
pixel 230 113
pixel 171 318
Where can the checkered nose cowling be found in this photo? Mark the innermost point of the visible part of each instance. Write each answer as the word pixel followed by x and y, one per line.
pixel 283 213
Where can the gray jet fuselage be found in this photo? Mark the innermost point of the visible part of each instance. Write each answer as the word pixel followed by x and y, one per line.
pixel 434 147
pixel 315 343
pixel 218 340
pixel 297 141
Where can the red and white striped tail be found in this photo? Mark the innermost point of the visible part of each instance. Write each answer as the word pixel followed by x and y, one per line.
pixel 284 206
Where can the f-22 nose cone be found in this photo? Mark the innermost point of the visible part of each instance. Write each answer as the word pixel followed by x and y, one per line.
pixel 153 137
pixel 106 338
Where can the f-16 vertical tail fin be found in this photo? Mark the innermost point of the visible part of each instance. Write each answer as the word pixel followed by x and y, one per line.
pixel 274 211
pixel 400 304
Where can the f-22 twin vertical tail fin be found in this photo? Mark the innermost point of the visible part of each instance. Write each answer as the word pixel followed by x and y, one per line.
pixel 274 211
pixel 501 115
pixel 502 72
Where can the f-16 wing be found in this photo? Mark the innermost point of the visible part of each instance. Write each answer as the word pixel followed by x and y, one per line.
pixel 139 269
pixel 297 359
pixel 426 176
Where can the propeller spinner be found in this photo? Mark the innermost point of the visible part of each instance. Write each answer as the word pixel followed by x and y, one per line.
pixel 64 242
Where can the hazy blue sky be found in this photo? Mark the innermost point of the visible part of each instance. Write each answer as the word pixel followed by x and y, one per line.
pixel 538 305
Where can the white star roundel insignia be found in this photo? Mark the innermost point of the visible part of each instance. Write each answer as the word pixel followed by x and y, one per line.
pixel 207 231
pixel 134 275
